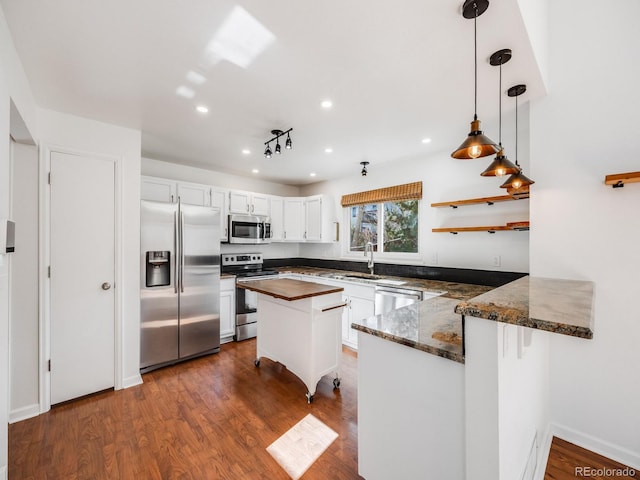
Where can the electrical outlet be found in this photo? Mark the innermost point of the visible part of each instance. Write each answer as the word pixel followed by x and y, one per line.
pixel 496 260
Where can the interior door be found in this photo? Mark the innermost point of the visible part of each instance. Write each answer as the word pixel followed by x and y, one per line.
pixel 82 275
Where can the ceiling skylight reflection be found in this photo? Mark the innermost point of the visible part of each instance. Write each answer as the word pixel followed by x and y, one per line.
pixel 239 40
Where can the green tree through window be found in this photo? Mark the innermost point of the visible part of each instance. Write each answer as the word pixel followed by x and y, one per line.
pixel 398 226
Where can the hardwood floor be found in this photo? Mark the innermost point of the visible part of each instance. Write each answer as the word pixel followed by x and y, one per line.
pixel 565 458
pixel 210 418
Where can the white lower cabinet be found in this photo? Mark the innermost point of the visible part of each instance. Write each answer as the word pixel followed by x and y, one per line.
pixel 227 309
pixel 359 299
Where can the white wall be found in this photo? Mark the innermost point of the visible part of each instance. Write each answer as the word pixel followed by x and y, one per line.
pixel 446 179
pixel 587 128
pixel 24 321
pixel 13 85
pixel 90 136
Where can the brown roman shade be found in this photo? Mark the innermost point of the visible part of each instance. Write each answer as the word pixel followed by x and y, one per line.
pixel 408 191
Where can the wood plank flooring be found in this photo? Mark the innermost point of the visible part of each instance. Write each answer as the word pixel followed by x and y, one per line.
pixel 565 457
pixel 210 418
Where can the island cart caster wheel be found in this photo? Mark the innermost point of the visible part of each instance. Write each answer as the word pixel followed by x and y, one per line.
pixel 336 383
pixel 256 362
pixel 309 397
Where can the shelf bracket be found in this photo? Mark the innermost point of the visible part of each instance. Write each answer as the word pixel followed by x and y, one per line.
pixel 489 203
pixel 454 233
pixel 454 206
pixel 619 184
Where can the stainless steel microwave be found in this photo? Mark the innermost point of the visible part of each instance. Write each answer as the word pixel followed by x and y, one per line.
pixel 249 229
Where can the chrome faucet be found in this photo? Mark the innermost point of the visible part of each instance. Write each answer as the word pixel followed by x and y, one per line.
pixel 368 248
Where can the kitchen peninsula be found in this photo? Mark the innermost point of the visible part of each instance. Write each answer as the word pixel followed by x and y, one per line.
pixel 300 327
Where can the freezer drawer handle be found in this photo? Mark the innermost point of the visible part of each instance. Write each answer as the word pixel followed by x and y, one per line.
pixel 106 286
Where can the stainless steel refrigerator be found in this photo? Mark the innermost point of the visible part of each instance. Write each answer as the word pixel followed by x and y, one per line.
pixel 179 282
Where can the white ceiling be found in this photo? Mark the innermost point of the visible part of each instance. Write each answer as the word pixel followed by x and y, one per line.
pixel 396 72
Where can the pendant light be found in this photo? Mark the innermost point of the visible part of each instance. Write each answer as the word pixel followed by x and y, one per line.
pixel 501 165
pixel 517 184
pixel 476 144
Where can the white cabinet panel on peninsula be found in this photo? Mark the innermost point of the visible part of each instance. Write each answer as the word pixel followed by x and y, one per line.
pixel 248 202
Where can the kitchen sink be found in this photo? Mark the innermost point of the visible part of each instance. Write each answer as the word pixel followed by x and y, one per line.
pixel 371 278
pixel 362 275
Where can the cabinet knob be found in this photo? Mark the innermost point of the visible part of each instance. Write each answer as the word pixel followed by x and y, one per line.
pixel 106 286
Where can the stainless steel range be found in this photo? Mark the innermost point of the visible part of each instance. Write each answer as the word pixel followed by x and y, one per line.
pixel 246 266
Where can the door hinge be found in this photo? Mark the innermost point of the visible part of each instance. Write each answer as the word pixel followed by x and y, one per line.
pixel 49 178
pixel 49 365
pixel 49 271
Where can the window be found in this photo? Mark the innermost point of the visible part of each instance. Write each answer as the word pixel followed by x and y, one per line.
pixel 394 223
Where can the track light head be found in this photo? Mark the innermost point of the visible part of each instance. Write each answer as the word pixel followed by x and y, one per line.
pixel 278 149
pixel 267 152
pixel 364 168
pixel 287 144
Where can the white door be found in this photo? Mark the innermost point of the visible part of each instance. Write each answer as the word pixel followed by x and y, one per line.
pixel 82 275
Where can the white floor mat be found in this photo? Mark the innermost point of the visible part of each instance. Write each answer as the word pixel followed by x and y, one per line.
pixel 296 450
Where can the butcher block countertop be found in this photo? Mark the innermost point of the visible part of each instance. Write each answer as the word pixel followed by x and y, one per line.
pixel 288 289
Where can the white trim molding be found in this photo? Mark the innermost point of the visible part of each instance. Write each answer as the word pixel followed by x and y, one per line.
pixel 132 381
pixel 23 413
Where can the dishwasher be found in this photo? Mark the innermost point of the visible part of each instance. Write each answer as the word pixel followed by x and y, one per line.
pixel 390 298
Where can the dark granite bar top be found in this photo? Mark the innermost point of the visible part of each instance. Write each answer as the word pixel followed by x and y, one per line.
pixel 553 305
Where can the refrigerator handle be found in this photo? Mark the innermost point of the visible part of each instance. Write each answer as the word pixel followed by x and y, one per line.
pixel 181 251
pixel 175 252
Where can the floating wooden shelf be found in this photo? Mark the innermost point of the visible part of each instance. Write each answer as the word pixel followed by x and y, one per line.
pixel 475 201
pixel 619 179
pixel 518 226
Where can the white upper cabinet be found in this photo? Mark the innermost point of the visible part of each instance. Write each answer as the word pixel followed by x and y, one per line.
pixel 194 194
pixel 294 219
pixel 320 224
pixel 219 199
pixel 158 190
pixel 248 202
pixel 276 207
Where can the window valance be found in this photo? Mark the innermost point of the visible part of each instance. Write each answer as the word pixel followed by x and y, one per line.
pixel 408 191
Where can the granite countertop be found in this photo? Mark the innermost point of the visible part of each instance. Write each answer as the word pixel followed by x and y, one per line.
pixel 459 291
pixel 288 289
pixel 553 305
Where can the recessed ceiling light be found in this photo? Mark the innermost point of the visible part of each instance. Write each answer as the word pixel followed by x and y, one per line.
pixel 326 104
pixel 246 151
pixel 255 170
pixel 426 140
pixel 202 109
pixel 328 150
pixel 312 174
pixel 185 92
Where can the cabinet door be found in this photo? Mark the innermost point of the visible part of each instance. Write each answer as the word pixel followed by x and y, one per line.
pixel 259 204
pixel 239 202
pixel 313 206
pixel 359 308
pixel 193 194
pixel 219 199
pixel 158 190
pixel 294 219
pixel 277 218
pixel 227 314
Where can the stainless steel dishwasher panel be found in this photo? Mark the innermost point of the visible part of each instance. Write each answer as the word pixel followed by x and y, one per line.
pixel 390 298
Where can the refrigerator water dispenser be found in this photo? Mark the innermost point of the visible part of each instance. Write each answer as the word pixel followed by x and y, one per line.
pixel 158 268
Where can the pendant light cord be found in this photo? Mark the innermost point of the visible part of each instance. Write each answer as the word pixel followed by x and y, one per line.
pixel 475 64
pixel 500 103
pixel 517 133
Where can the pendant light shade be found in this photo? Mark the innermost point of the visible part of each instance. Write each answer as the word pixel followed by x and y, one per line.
pixel 518 183
pixel 501 165
pixel 476 144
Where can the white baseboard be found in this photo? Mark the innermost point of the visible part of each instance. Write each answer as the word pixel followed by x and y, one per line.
pixel 23 413
pixel 543 455
pixel 609 450
pixel 132 381
pixel 3 473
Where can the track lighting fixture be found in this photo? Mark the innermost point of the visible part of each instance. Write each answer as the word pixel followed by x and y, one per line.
pixel 517 184
pixel 501 165
pixel 364 168
pixel 278 149
pixel 476 144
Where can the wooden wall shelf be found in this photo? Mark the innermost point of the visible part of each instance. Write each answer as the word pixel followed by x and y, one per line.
pixel 475 201
pixel 512 226
pixel 619 179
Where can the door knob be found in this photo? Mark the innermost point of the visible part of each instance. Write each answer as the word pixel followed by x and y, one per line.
pixel 106 286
